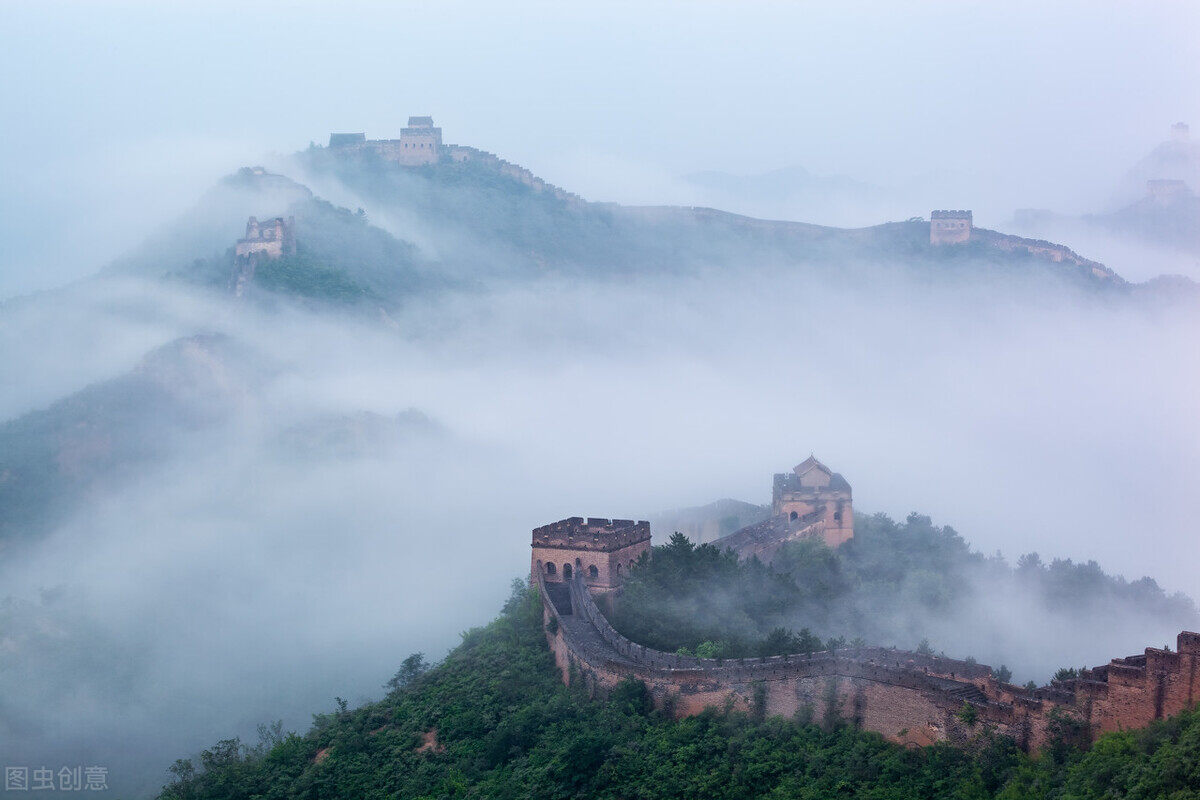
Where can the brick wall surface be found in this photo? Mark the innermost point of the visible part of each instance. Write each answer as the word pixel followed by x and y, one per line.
pixel 908 697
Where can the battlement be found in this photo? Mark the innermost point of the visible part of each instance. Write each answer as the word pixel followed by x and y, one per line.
pixel 598 550
pixel 906 696
pixel 910 697
pixel 596 533
pixel 460 153
pixel 419 143
pixel 950 226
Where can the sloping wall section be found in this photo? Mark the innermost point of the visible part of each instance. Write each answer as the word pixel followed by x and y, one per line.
pixel 908 697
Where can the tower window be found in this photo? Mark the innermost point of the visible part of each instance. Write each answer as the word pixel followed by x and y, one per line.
pixel 550 568
pixel 593 573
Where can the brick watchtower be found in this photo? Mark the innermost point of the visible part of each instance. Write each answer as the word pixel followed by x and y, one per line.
pixel 950 227
pixel 813 489
pixel 420 142
pixel 601 551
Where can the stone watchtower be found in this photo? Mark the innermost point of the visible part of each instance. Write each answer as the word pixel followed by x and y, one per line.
pixel 810 502
pixel 949 227
pixel 419 143
pixel 812 492
pixel 601 551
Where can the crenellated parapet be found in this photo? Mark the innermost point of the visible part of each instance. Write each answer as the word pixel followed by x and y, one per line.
pixel 950 226
pixel 600 550
pixel 420 143
pixel 461 153
pixel 594 533
pixel 264 241
pixel 908 697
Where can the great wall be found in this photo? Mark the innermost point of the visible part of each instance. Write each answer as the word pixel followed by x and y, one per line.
pixel 420 146
pixel 908 697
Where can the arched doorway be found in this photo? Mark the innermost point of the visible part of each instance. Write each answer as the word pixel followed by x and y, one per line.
pixel 593 573
pixel 566 572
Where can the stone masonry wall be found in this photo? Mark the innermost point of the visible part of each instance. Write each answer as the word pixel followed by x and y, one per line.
pixel 607 548
pixel 459 152
pixel 908 697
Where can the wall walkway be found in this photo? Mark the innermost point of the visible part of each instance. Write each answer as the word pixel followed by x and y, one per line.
pixel 906 696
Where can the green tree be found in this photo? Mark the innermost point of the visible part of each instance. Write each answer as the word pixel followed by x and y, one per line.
pixel 411 669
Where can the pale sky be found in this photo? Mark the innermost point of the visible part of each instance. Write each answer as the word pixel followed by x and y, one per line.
pixel 116 115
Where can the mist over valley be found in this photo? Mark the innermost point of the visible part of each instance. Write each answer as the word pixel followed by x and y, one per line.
pixel 239 482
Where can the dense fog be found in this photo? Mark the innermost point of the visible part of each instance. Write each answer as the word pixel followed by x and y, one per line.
pixel 302 495
pixel 1012 105
pixel 260 570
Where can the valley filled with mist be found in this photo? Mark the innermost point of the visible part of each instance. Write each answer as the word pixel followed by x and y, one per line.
pixel 219 511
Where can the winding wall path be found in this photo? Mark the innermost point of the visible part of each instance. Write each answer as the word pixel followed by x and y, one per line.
pixel 906 696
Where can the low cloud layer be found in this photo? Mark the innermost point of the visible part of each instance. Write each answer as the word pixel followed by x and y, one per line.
pixel 242 582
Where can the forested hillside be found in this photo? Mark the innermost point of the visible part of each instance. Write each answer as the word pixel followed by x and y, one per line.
pixel 911 584
pixel 484 222
pixel 104 434
pixel 494 721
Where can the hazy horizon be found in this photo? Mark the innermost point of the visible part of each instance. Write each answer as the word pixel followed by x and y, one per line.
pixel 239 562
pixel 1005 107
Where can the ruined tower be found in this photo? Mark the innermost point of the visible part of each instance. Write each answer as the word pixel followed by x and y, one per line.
pixel 263 241
pixel 949 227
pixel 272 238
pixel 601 551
